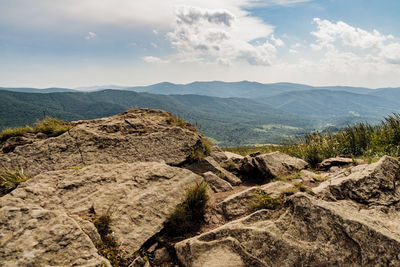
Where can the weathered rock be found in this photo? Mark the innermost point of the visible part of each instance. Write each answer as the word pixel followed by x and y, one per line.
pixel 135 135
pixel 216 183
pixel 335 162
pixel 308 232
pixel 267 166
pixel 209 164
pixel 236 158
pixel 376 184
pixel 139 196
pixel 161 256
pixel 218 155
pixel 33 236
pixel 239 204
pixel 311 177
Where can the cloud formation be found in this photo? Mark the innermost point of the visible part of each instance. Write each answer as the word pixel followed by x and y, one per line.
pixel 204 35
pixel 151 59
pixel 373 44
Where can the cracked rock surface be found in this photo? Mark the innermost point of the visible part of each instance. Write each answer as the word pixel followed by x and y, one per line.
pixel 135 135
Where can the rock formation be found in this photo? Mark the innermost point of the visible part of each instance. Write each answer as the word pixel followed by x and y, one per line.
pixel 136 168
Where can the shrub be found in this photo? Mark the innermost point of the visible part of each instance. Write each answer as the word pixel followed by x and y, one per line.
pixel 189 214
pixel 10 179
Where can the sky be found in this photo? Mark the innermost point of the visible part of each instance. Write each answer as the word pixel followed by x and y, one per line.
pixel 73 43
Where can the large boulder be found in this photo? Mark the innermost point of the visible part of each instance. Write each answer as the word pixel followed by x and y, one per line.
pixel 139 196
pixel 135 135
pixel 308 232
pixel 373 184
pixel 264 167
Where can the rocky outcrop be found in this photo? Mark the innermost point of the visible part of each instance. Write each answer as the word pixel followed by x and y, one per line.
pixel 218 155
pixel 139 196
pixel 309 232
pixel 216 183
pixel 374 184
pixel 267 166
pixel 135 135
pixel 351 219
pixel 209 164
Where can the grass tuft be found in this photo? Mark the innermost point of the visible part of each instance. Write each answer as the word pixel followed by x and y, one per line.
pixel 189 214
pixel 360 141
pixel 264 200
pixel 108 245
pixel 49 126
pixel 10 179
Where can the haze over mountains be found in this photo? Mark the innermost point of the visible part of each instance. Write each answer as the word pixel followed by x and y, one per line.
pixel 232 113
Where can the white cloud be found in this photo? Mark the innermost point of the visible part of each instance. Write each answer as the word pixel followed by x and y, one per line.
pixel 151 59
pixel 128 13
pixel 217 35
pixel 370 43
pixel 90 35
pixel 153 44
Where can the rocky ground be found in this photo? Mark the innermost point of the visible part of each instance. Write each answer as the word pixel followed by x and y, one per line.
pixel 264 210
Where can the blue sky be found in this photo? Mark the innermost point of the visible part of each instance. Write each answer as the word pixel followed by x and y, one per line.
pixel 72 43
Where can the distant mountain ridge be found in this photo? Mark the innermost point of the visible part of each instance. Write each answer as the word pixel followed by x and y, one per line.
pixel 231 121
pixel 234 113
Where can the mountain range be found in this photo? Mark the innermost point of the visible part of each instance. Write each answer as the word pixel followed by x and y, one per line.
pixel 231 113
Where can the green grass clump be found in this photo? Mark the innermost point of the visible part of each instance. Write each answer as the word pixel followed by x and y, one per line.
pixel 51 126
pixel 177 121
pixel 202 150
pixel 10 132
pixel 359 141
pixel 264 200
pixel 189 214
pixel 10 179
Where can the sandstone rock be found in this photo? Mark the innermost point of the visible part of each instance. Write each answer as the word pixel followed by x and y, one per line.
pixel 239 204
pixel 308 176
pixel 218 155
pixel 33 236
pixel 216 183
pixel 266 166
pixel 337 161
pixel 209 164
pixel 376 184
pixel 135 135
pixel 139 196
pixel 161 256
pixel 308 232
pixel 236 158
